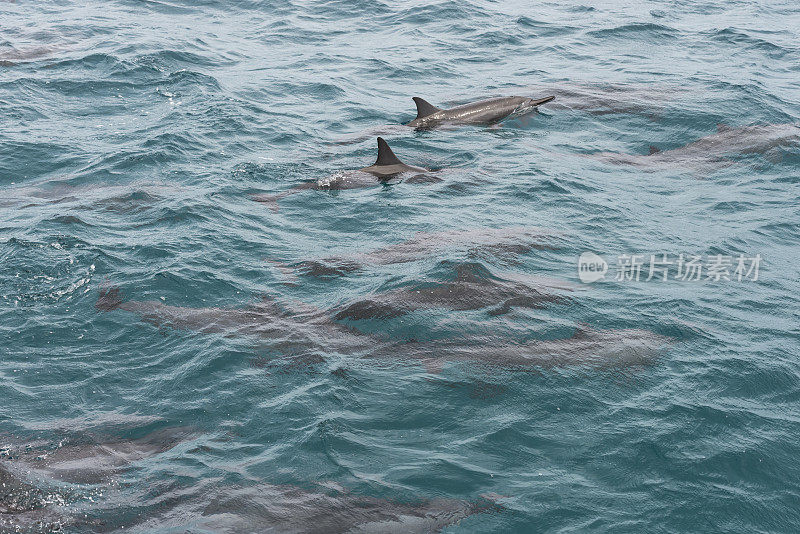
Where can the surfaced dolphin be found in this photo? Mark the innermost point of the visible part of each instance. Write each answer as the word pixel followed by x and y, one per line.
pixel 387 167
pixel 17 495
pixel 25 507
pixel 33 497
pixel 484 112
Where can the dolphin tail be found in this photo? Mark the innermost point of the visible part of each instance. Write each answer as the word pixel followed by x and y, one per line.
pixel 489 502
pixel 109 299
pixel 270 200
pixel 433 366
pixel 385 154
pixel 286 271
pixel 424 108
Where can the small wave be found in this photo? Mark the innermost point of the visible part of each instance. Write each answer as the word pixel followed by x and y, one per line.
pixel 741 39
pixel 636 31
pixel 70 220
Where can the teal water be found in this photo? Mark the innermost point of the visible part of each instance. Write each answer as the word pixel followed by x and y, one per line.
pixel 132 135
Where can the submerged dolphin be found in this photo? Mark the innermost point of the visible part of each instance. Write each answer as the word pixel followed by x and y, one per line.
pixel 612 98
pixel 9 58
pixel 293 510
pixel 26 505
pixel 482 242
pixel 304 327
pixel 473 287
pixel 588 347
pixel 711 152
pixel 118 198
pixel 314 331
pixel 17 495
pixel 484 112
pixel 386 167
pixel 88 460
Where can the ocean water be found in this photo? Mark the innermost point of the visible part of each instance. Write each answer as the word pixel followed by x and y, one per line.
pixel 230 392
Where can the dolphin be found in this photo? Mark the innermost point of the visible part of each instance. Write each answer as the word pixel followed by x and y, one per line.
pixel 89 460
pixel 473 287
pixel 608 98
pixel 33 495
pixel 313 330
pixel 713 151
pixel 481 242
pixel 588 347
pixel 484 112
pixel 17 495
pixel 9 58
pixel 387 167
pixel 27 508
pixel 304 326
pixel 291 509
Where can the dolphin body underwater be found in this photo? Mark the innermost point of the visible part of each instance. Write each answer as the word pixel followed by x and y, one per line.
pixel 480 242
pixel 484 112
pixel 386 167
pixel 587 348
pixel 473 287
pixel 289 509
pixel 27 507
pixel 714 151
pixel 306 333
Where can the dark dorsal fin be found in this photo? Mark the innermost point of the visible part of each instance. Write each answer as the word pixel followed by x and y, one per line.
pixel 654 150
pixel 385 154
pixel 424 108
pixel 582 331
pixel 472 272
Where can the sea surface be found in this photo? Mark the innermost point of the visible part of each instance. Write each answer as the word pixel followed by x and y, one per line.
pixel 133 135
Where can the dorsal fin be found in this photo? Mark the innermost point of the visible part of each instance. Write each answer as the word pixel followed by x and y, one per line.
pixel 654 150
pixel 722 127
pixel 385 154
pixel 472 272
pixel 424 108
pixel 582 331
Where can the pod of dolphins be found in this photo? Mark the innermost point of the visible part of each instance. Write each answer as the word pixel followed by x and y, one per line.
pixel 300 330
